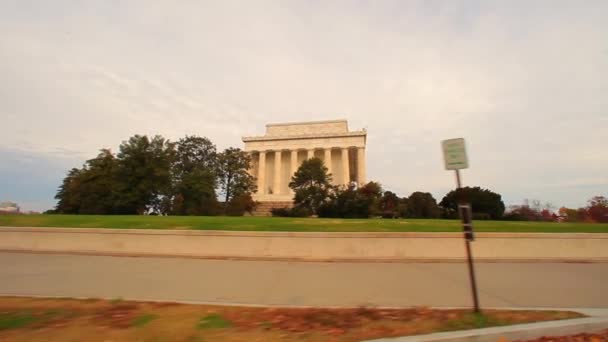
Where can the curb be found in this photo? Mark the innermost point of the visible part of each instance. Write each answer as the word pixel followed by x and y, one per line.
pixel 478 260
pixel 511 333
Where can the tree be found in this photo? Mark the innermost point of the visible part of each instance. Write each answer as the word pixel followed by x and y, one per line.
pixel 484 202
pixel 352 202
pixel 143 174
pixel 522 213
pixel 97 184
pixel 194 178
pixel 68 195
pixel 422 205
pixel 530 210
pixel 193 152
pixel 195 194
pixel 597 209
pixel 578 215
pixel 91 189
pixel 311 185
pixel 234 178
pixel 389 204
pixel 240 204
pixel 371 194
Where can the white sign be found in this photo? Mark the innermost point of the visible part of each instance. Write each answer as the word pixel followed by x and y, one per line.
pixel 454 154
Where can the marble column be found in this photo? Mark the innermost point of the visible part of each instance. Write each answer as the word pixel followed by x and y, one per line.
pixel 327 160
pixel 345 167
pixel 276 185
pixel 361 166
pixel 294 165
pixel 251 164
pixel 262 173
pixel 311 154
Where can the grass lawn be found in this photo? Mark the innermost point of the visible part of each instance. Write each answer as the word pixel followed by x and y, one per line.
pixel 48 319
pixel 289 224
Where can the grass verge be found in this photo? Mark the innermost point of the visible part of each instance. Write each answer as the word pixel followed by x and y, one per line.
pixel 289 224
pixel 46 319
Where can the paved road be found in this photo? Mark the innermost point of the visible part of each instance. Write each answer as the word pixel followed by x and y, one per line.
pixel 304 283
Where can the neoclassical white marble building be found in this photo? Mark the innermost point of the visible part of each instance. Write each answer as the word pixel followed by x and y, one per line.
pixel 277 155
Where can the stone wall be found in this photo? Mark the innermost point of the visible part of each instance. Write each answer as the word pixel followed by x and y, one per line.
pixel 309 246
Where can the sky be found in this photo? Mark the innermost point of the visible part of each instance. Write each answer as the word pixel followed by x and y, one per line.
pixel 524 82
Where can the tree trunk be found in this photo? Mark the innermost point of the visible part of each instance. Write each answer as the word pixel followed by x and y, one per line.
pixel 227 198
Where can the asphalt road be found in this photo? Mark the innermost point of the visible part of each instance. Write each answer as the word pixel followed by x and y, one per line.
pixel 304 283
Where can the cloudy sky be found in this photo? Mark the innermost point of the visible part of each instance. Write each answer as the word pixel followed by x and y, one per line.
pixel 525 82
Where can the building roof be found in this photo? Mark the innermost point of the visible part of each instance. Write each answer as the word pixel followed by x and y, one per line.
pixel 306 130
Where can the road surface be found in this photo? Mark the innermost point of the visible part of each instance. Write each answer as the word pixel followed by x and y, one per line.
pixel 304 283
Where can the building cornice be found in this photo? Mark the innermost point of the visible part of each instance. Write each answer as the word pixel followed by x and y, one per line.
pixel 305 123
pixel 305 136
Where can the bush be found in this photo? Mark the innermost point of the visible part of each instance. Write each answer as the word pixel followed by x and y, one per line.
pixel 328 210
pixel 422 205
pixel 290 212
pixel 240 204
pixel 390 214
pixel 281 212
pixel 483 201
pixel 300 212
pixel 481 216
pixel 352 202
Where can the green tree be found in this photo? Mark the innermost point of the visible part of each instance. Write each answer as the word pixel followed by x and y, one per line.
pixel 193 152
pixel 352 202
pixel 195 194
pixel 194 178
pixel 389 204
pixel 371 194
pixel 422 205
pixel 68 195
pixel 311 185
pixel 484 202
pixel 240 204
pixel 402 207
pixel 143 174
pixel 233 174
pixel 91 189
pixel 98 184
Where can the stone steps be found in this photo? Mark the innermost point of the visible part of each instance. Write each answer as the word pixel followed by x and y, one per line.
pixel 264 208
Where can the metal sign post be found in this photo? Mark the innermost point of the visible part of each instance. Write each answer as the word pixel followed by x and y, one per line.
pixel 455 158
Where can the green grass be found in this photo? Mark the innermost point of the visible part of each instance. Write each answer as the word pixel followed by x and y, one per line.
pixel 213 321
pixel 473 321
pixel 15 320
pixel 142 320
pixel 289 224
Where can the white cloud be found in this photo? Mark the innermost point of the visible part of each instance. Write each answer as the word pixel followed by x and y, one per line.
pixel 525 83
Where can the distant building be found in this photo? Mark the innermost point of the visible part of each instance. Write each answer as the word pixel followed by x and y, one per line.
pixel 277 155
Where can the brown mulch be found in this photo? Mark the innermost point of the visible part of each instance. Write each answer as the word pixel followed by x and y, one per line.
pixel 334 320
pixel 116 316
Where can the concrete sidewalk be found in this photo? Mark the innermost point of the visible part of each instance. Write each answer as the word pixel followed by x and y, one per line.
pixel 597 322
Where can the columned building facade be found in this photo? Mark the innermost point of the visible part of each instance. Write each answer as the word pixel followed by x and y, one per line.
pixel 278 154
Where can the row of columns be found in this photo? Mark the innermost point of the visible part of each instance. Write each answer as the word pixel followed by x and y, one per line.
pixel 276 186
